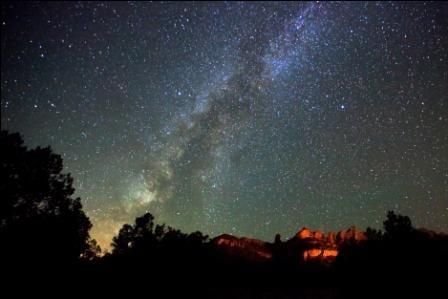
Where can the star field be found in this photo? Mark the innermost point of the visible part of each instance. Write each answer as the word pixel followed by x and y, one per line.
pixel 238 117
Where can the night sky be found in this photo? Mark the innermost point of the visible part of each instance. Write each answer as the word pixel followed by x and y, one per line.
pixel 246 118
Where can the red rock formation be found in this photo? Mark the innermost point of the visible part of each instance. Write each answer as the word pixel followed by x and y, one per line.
pixel 331 238
pixel 325 247
pixel 304 233
pixel 309 244
pixel 340 237
pixel 318 235
pixel 251 249
pixel 352 234
pixel 320 253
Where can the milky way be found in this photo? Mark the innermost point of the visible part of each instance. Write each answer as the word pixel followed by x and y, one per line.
pixel 245 118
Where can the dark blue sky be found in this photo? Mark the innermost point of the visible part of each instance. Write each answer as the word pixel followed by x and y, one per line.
pixel 245 118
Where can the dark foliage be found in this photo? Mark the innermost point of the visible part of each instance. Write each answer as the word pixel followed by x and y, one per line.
pixel 42 225
pixel 401 258
pixel 145 240
pixel 40 222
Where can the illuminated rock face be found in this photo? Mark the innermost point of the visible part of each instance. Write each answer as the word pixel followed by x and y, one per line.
pixel 226 240
pixel 318 235
pixel 331 238
pixel 325 247
pixel 309 245
pixel 251 249
pixel 352 234
pixel 304 233
pixel 318 253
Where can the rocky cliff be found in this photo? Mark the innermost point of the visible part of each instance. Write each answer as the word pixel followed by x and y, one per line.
pixel 325 246
pixel 309 245
pixel 247 248
pixel 331 238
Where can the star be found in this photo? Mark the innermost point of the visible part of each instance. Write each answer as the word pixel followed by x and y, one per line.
pixel 238 117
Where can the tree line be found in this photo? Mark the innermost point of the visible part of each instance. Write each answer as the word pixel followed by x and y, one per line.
pixel 42 225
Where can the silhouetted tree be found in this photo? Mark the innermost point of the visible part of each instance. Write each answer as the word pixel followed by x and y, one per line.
pixel 92 252
pixel 403 257
pixel 397 226
pixel 124 240
pixel 373 234
pixel 39 218
pixel 278 239
pixel 144 238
